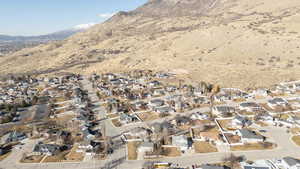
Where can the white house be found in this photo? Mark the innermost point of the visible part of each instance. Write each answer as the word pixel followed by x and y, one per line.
pixel 277 102
pixel 199 116
pixel 180 141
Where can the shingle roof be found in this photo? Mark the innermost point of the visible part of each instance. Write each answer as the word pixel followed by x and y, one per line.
pixel 291 161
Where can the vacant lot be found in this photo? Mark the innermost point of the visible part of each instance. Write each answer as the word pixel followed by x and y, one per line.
pixel 204 147
pixel 296 140
pixel 132 150
pixel 254 146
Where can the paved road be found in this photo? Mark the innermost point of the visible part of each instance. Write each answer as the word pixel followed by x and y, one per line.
pixel 111 130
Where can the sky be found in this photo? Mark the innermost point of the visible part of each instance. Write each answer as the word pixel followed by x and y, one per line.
pixel 37 17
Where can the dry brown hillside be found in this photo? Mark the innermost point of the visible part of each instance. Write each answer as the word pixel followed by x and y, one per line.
pixel 242 43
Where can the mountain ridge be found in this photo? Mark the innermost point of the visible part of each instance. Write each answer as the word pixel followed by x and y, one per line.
pixel 245 43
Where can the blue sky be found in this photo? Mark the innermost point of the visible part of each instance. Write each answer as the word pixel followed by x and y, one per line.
pixel 35 17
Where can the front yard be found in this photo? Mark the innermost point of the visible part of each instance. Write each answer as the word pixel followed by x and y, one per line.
pixel 132 150
pixel 32 159
pixel 253 146
pixel 171 152
pixel 204 147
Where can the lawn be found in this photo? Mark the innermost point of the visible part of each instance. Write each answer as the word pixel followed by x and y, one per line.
pixel 296 140
pixel 253 146
pixel 204 147
pixel 132 150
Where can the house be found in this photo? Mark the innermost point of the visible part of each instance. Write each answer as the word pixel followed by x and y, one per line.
pixel 156 103
pixel 291 163
pixel 260 92
pixel 145 147
pixel 4 149
pixel 181 142
pixel 250 106
pixel 258 164
pixel 158 92
pixel 200 100
pixel 164 109
pixel 128 118
pixel 240 122
pixel 199 116
pixel 15 137
pixel 46 149
pixel 158 127
pixel 154 83
pixel 249 136
pixel 223 111
pixel 273 103
pixel 138 133
pixel 181 120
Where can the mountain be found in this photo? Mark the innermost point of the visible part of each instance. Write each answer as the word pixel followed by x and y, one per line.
pixel 239 43
pixel 15 43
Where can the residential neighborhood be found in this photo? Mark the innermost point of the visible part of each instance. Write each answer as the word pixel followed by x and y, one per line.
pixel 146 119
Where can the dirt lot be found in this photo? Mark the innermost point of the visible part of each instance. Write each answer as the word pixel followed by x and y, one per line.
pixel 254 146
pixel 204 147
pixel 132 150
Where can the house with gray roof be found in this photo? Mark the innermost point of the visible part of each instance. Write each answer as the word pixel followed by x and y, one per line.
pixel 249 136
pixel 46 149
pixel 291 163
